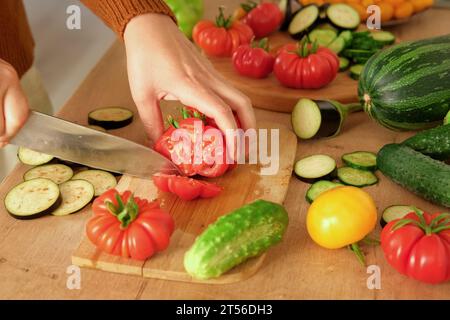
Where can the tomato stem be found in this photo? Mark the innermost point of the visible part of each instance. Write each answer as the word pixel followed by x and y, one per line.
pixel 173 122
pixel 248 6
pixel 221 21
pixel 263 44
pixel 358 252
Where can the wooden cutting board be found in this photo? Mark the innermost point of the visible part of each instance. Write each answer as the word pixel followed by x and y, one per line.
pixel 270 95
pixel 242 185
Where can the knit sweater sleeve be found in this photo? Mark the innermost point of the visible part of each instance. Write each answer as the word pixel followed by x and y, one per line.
pixel 117 13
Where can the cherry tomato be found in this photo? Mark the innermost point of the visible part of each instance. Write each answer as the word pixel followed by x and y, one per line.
pixel 129 226
pixel 253 61
pixel 263 18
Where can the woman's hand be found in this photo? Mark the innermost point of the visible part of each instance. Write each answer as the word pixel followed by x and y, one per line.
pixel 163 64
pixel 13 103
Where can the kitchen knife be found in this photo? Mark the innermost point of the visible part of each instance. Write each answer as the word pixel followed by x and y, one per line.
pixel 72 142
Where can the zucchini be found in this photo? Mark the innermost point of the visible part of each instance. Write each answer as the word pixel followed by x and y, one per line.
pixel 337 45
pixel 344 63
pixel 356 177
pixel 343 16
pixel 58 173
pixel 416 172
pixel 433 142
pixel 33 199
pixel 355 71
pixel 32 158
pixel 315 167
pixel 319 187
pixel 362 160
pixel 235 237
pixel 322 37
pixel 384 37
pixel 304 20
pixel 395 212
pixel 110 117
pixel 75 194
pixel 101 180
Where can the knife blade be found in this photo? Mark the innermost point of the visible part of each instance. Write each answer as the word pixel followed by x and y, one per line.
pixel 72 142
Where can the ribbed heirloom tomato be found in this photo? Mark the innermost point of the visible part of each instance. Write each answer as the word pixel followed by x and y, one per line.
pixel 222 37
pixel 128 226
pixel 263 18
pixel 253 60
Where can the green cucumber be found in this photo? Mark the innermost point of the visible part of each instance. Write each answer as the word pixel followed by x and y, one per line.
pixel 337 45
pixel 347 36
pixel 322 37
pixel 319 187
pixel 344 63
pixel 355 71
pixel 384 37
pixel 416 172
pixel 356 177
pixel 235 237
pixel 433 142
pixel 362 160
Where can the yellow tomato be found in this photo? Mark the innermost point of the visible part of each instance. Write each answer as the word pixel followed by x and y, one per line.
pixel 340 217
pixel 404 10
pixel 360 9
pixel 366 3
pixel 387 11
pixel 395 3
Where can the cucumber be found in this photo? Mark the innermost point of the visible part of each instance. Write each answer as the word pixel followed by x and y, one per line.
pixel 384 37
pixel 433 142
pixel 363 160
pixel 356 177
pixel 58 173
pixel 32 158
pixel 33 199
pixel 315 167
pixel 319 187
pixel 75 194
pixel 110 117
pixel 337 45
pixel 347 35
pixel 395 212
pixel 101 180
pixel 322 37
pixel 326 26
pixel 355 71
pixel 344 63
pixel 416 172
pixel 235 237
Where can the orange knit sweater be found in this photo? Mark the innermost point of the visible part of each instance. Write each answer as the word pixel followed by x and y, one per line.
pixel 16 40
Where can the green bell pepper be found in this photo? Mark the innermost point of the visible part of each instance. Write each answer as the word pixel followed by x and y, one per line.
pixel 187 12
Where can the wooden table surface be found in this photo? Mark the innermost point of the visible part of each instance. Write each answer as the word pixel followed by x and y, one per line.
pixel 35 255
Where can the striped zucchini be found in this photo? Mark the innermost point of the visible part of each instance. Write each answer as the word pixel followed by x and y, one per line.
pixel 407 86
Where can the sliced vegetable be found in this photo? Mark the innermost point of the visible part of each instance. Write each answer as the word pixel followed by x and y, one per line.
pixel 58 173
pixel 243 233
pixel 101 180
pixel 356 70
pixel 111 117
pixel 304 21
pixel 315 167
pixel 286 8
pixel 447 118
pixel 344 63
pixel 322 37
pixel 75 194
pixel 33 199
pixel 434 142
pixel 337 45
pixel 395 212
pixel 356 177
pixel 326 26
pixel 320 119
pixel 343 16
pixel 347 35
pixel 363 160
pixel 416 172
pixel 384 37
pixel 319 187
pixel 33 158
pixel 98 128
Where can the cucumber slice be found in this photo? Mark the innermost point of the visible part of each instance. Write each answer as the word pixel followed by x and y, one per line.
pixel 384 37
pixel 32 158
pixel 319 187
pixel 235 237
pixel 303 21
pixel 337 45
pixel 363 160
pixel 33 199
pixel 356 177
pixel 322 37
pixel 343 16
pixel 110 117
pixel 347 36
pixel 326 26
pixel 315 167
pixel 344 63
pixel 395 212
pixel 58 173
pixel 75 194
pixel 355 71
pixel 447 118
pixel 101 180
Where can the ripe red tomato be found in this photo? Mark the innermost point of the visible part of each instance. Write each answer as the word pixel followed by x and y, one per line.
pixel 419 246
pixel 305 66
pixel 254 62
pixel 222 37
pixel 128 226
pixel 186 188
pixel 263 18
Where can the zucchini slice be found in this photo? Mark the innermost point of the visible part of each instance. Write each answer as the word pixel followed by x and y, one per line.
pixel 303 21
pixel 319 187
pixel 315 167
pixel 355 71
pixel 363 160
pixel 383 37
pixel 33 199
pixel 343 16
pixel 58 173
pixel 32 158
pixel 343 63
pixel 322 37
pixel 75 194
pixel 356 177
pixel 101 180
pixel 110 117
pixel 394 212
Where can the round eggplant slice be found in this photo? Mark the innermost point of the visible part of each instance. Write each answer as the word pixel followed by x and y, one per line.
pixel 304 21
pixel 110 117
pixel 316 167
pixel 33 198
pixel 343 16
pixel 32 158
pixel 75 194
pixel 58 173
pixel 101 180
